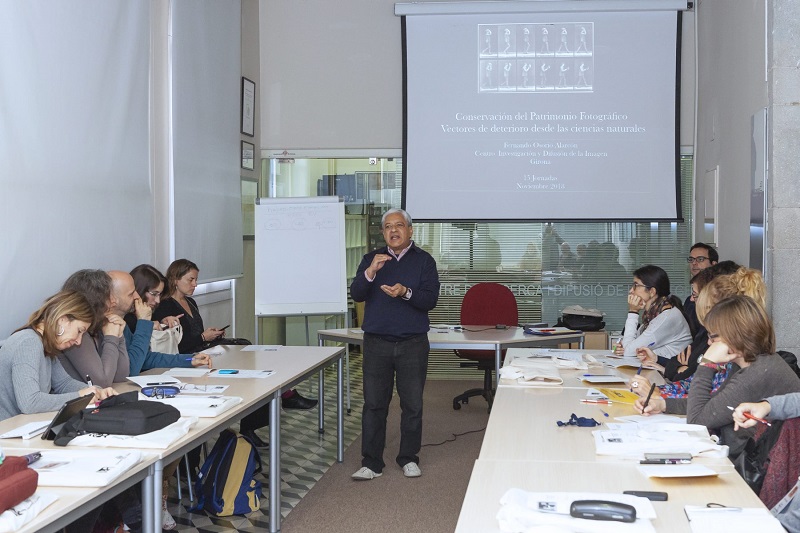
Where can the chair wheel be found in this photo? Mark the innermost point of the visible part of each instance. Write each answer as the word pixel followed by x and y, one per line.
pixel 456 405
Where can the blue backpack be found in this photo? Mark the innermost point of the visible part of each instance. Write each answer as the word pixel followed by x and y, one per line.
pixel 226 484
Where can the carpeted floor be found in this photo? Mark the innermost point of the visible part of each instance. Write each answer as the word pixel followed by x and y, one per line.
pixel 318 494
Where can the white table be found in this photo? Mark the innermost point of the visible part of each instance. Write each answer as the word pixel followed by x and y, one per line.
pixel 477 338
pixel 524 448
pixel 292 365
pixel 492 478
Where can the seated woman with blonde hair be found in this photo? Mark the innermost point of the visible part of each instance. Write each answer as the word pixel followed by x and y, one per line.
pixel 739 332
pixel 34 380
pixel 745 281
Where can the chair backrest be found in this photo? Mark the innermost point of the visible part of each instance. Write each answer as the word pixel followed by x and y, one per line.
pixel 489 304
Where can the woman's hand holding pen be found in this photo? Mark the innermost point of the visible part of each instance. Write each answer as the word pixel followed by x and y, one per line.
pixel 656 405
pixel 757 410
pixel 646 355
pixel 100 394
pixel 201 359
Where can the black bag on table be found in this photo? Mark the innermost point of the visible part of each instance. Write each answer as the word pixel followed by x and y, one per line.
pixel 578 318
pixel 119 415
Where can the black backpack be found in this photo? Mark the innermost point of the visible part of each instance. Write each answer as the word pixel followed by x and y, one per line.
pixel 119 415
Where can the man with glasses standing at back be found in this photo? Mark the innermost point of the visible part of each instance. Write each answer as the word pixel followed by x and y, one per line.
pixel 701 256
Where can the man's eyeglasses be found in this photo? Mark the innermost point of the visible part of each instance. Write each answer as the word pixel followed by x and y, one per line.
pixel 389 227
pixel 154 294
pixel 634 285
pixel 699 259
pixel 713 336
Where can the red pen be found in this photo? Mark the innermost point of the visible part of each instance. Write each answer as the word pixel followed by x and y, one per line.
pixel 543 330
pixel 751 417
pixel 605 402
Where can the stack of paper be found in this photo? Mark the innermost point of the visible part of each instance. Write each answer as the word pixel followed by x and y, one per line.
pixel 529 372
pixel 657 438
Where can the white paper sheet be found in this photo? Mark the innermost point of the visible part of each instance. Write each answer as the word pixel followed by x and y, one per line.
pixel 727 519
pixel 164 379
pixel 83 468
pixel 14 518
pixel 676 471
pixel 26 431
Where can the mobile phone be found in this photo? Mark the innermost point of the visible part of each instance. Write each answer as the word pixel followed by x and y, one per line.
pixel 228 371
pixel 651 495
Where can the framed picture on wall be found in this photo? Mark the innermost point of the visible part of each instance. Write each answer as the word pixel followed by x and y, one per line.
pixel 248 150
pixel 248 107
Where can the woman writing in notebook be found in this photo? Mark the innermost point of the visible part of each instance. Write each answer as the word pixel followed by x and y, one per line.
pixel 741 333
pixel 663 329
pixel 34 380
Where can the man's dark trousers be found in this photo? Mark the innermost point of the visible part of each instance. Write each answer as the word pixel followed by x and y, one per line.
pixel 383 359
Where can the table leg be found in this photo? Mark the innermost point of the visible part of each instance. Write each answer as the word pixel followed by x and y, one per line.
pixel 339 413
pixel 322 401
pixel 497 355
pixel 151 499
pixel 274 463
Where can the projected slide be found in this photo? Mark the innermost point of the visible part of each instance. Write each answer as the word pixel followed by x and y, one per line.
pixel 509 59
pixel 542 116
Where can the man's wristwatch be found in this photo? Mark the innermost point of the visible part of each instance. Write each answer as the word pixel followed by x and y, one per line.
pixel 407 294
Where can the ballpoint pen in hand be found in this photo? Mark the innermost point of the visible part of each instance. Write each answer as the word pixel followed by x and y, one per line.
pixel 649 395
pixel 751 417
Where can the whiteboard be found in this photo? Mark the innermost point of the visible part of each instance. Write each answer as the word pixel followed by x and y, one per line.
pixel 300 256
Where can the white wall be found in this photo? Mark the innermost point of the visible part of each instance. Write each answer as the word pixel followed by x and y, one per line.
pixel 731 88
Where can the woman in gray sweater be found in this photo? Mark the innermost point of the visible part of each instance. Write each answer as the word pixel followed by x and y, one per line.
pixel 739 332
pixel 33 380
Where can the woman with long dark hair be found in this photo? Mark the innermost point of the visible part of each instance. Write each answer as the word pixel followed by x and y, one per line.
pixel 663 327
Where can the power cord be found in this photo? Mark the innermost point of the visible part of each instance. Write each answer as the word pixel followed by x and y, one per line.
pixel 455 436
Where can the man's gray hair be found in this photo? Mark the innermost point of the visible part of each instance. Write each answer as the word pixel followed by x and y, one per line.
pixel 392 212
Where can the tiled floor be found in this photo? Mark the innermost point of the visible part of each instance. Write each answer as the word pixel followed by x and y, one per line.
pixel 306 456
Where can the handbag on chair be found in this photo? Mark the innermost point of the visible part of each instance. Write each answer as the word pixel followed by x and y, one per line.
pixel 166 340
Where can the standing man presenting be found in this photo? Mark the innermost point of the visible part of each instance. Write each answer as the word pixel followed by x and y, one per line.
pixel 399 284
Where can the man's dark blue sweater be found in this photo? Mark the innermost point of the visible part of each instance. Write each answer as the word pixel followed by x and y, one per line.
pixel 398 318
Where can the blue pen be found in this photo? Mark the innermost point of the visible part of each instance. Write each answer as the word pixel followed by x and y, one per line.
pixel 638 372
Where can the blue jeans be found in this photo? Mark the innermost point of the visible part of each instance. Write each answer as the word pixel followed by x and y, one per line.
pixel 383 360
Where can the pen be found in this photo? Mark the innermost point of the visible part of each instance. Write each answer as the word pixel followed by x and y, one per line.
pixel 751 417
pixel 604 402
pixel 543 330
pixel 162 383
pixel 652 388
pixel 665 462
pixel 604 413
